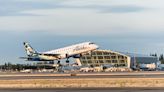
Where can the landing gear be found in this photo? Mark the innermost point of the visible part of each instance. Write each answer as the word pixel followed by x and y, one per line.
pixel 67 61
pixel 59 68
pixel 81 55
pixel 58 62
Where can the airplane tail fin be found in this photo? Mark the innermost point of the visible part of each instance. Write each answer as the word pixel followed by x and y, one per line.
pixel 29 50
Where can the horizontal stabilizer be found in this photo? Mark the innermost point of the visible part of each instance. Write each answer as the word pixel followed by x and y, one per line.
pixel 23 57
pixel 32 59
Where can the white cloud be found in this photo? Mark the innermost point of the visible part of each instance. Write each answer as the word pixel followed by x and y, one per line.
pixel 78 21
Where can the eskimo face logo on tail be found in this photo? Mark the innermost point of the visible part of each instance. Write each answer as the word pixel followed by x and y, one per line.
pixel 29 50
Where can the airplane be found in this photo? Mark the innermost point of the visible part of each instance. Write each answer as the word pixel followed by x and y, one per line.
pixel 74 51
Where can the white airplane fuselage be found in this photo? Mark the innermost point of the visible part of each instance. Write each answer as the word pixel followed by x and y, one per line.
pixel 61 53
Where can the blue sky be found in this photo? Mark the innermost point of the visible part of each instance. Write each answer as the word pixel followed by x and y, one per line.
pixel 119 25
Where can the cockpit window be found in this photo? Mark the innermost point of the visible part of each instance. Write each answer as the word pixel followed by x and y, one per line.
pixel 91 43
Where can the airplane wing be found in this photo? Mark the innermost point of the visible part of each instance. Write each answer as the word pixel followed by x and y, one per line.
pixel 33 59
pixel 27 58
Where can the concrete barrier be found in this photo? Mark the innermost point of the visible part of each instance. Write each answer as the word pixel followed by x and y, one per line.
pixel 83 83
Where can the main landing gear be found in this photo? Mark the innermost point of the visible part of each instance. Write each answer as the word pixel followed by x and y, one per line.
pixel 59 68
pixel 67 61
pixel 59 63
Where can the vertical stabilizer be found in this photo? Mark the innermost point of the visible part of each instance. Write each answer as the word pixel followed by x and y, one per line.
pixel 29 50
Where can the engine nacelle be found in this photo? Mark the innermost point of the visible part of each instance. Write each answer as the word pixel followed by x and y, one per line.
pixel 64 56
pixel 77 56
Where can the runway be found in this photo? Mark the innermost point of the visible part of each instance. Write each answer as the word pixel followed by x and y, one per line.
pixel 82 80
pixel 87 90
pixel 16 76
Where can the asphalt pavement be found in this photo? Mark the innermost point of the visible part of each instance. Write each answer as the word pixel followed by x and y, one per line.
pixel 87 90
pixel 15 76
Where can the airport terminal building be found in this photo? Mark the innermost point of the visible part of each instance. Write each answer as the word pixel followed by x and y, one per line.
pixel 115 59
